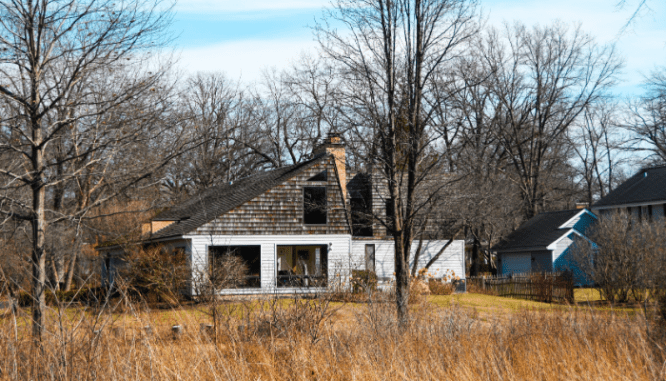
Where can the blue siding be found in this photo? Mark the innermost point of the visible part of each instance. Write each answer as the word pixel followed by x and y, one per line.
pixel 585 221
pixel 566 262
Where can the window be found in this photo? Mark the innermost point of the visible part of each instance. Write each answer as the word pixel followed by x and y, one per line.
pixel 361 218
pixel 314 205
pixel 302 266
pixel 370 257
pixel 235 266
pixel 390 211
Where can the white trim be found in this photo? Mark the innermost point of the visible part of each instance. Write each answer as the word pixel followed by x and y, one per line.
pixel 584 210
pixel 553 245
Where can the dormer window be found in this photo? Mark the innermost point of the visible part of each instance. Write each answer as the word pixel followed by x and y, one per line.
pixel 314 205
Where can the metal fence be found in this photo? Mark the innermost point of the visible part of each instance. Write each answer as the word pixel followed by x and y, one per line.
pixel 540 287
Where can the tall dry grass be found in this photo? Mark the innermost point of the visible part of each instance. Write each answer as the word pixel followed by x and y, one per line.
pixel 315 340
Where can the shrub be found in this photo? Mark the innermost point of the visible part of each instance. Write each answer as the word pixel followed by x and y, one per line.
pixel 363 280
pixel 627 257
pixel 438 287
pixel 84 295
pixel 157 274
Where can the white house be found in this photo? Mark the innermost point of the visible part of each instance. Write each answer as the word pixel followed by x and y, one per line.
pixel 297 229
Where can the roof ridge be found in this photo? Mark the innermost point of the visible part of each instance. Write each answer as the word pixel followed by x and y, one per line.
pixel 208 205
pixel 562 211
pixel 650 167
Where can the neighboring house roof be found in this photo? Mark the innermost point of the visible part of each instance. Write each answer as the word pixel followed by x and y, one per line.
pixel 645 186
pixel 544 229
pixel 220 199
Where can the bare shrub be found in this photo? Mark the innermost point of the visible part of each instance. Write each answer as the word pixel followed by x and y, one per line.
pixel 157 274
pixel 227 271
pixel 625 257
pixel 363 281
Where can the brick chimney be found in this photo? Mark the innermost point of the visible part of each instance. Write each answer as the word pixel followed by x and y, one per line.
pixel 333 145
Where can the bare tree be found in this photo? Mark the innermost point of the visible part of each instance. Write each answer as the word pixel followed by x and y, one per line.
pixel 387 55
pixel 486 199
pixel 594 139
pixel 67 68
pixel 647 119
pixel 544 79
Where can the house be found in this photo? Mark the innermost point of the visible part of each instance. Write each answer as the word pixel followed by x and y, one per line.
pixel 643 195
pixel 296 229
pixel 543 243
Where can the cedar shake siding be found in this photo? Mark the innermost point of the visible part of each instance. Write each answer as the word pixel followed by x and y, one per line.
pixel 279 210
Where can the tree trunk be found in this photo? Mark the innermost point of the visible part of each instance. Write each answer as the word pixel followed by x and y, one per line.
pixel 401 281
pixel 70 271
pixel 475 257
pixel 56 274
pixel 38 261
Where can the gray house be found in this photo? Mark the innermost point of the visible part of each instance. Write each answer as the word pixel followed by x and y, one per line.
pixel 643 195
pixel 543 243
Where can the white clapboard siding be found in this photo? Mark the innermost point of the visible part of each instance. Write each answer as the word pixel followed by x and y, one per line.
pixel 339 258
pixel 451 260
pixel 560 247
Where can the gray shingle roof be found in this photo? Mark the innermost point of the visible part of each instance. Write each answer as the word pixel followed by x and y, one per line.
pixel 645 186
pixel 538 232
pixel 220 199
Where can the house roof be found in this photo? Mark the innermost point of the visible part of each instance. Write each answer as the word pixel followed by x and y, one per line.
pixel 540 231
pixel 220 199
pixel 647 185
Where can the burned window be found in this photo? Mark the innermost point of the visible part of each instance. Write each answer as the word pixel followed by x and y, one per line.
pixel 314 205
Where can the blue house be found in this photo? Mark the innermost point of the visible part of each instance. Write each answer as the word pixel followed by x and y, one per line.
pixel 543 244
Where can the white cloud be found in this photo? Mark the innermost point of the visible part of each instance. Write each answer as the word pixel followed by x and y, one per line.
pixel 246 5
pixel 643 46
pixel 245 59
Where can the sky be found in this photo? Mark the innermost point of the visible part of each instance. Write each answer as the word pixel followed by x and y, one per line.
pixel 243 38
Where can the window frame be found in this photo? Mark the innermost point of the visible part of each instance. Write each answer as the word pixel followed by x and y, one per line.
pixel 325 206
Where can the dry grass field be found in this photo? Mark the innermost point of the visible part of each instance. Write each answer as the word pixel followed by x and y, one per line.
pixel 462 337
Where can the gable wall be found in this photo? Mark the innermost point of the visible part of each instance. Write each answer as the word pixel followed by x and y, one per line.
pixel 280 210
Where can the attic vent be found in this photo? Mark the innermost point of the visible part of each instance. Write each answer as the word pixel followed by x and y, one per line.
pixel 321 176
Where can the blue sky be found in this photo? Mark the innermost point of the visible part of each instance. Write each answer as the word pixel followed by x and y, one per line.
pixel 244 37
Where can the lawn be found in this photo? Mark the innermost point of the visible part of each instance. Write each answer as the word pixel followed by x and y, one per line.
pixel 489 303
pixel 584 295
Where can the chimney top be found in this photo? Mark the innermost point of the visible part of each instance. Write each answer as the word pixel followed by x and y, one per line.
pixel 334 146
pixel 333 140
